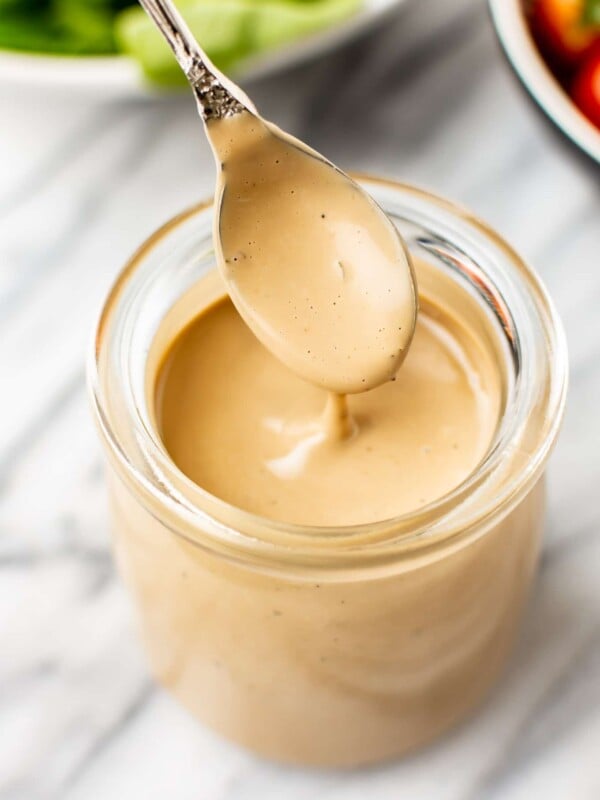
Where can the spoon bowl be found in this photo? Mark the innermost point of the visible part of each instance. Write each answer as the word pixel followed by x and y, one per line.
pixel 312 264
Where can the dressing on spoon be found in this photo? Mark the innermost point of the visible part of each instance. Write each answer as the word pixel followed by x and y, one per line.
pixel 312 264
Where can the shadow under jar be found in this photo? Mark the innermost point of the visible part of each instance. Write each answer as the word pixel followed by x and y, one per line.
pixel 332 646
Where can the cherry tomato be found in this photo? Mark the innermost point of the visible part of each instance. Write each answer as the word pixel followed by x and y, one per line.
pixel 586 87
pixel 560 31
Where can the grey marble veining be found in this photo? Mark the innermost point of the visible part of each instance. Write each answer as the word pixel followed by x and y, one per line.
pixel 427 99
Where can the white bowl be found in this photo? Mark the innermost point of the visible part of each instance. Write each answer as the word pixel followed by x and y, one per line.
pixel 121 76
pixel 522 52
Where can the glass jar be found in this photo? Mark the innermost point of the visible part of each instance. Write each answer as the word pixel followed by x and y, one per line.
pixel 332 646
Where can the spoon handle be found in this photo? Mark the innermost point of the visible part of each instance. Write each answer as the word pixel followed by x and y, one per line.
pixel 215 94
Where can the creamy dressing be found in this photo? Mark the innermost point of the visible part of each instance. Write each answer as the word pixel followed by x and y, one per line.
pixel 248 430
pixel 280 423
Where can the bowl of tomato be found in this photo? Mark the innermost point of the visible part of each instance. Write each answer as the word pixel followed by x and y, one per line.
pixel 554 48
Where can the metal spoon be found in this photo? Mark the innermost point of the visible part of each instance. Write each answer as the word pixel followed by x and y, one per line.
pixel 312 264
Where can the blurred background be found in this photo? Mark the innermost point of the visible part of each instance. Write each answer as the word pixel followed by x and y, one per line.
pixel 92 160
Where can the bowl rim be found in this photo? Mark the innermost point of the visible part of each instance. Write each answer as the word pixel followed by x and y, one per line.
pixel 529 65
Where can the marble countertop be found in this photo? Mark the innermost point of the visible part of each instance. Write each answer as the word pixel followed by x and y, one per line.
pixel 428 100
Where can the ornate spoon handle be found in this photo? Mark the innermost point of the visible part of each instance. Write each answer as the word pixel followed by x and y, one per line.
pixel 215 94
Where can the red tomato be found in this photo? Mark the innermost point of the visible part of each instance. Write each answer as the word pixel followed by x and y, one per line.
pixel 557 24
pixel 586 87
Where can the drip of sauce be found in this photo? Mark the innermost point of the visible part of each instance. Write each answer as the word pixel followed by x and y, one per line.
pixel 312 264
pixel 248 430
pixel 337 419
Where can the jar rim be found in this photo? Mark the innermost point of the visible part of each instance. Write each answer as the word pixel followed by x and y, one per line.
pixel 414 533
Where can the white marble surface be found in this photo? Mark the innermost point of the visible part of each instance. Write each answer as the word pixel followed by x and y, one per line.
pixel 428 100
